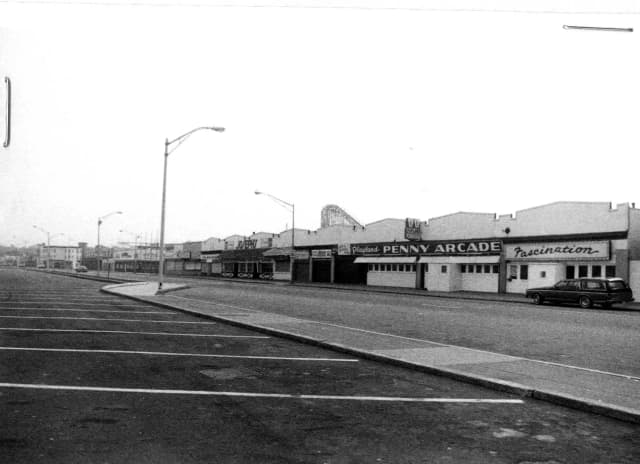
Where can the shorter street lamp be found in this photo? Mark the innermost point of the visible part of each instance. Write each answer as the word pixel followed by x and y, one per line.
pixel 167 144
pixel 100 219
pixel 286 205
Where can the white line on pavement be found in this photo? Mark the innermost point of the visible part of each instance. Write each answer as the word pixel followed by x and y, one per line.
pixel 263 395
pixel 160 353
pixel 22 329
pixel 106 320
pixel 91 310
pixel 70 303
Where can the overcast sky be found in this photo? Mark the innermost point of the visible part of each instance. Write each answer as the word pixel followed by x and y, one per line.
pixel 406 109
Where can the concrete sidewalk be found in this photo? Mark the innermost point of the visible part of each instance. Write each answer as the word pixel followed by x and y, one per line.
pixel 609 394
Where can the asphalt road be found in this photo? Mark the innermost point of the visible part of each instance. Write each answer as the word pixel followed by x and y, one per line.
pixel 91 378
pixel 601 339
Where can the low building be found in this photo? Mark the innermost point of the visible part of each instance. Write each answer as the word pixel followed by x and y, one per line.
pixel 58 257
pixel 457 252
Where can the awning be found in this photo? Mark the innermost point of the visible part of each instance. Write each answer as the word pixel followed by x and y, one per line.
pixel 487 259
pixel 385 260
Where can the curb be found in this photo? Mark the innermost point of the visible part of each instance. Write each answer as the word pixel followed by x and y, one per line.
pixel 582 404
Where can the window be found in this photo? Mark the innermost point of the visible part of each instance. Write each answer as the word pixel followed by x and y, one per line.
pixel 443 269
pixel 394 267
pixel 594 285
pixel 513 271
pixel 596 271
pixel 370 267
pixel 496 268
pixel 478 268
pixel 571 272
pixel 610 271
pixel 524 271
pixel 463 268
pixel 426 267
pixel 543 274
pixel 583 271
pixel 487 269
pixel 470 268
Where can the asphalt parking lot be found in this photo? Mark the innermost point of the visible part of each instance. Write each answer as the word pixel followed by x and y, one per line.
pixel 89 377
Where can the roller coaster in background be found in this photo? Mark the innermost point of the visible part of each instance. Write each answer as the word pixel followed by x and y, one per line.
pixel 332 215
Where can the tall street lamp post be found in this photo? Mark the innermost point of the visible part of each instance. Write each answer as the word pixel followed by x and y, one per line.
pixel 100 219
pixel 292 206
pixel 167 144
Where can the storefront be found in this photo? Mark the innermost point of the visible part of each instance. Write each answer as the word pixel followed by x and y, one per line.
pixel 210 263
pixel 538 264
pixel 242 263
pixel 464 265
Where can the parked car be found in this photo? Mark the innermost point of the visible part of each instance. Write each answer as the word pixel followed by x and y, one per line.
pixel 81 269
pixel 585 292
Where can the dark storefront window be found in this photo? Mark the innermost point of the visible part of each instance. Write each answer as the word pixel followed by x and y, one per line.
pixel 524 271
pixel 596 271
pixel 282 266
pixel 571 272
pixel 610 271
pixel 583 271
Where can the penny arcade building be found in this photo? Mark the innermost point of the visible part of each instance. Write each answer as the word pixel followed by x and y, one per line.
pixel 458 252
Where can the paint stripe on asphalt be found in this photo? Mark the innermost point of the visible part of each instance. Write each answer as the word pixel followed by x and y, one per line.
pixel 106 320
pixel 262 395
pixel 160 353
pixel 91 310
pixel 22 329
pixel 71 302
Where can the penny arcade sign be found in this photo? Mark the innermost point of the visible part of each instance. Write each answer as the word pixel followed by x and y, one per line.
pixel 457 248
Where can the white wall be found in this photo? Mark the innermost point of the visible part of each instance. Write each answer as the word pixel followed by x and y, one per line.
pixel 634 279
pixel 473 282
pixel 560 218
pixel 392 279
pixel 436 281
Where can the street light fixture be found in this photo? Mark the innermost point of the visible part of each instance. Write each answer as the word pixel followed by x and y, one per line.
pixel 286 204
pixel 598 28
pixel 100 219
pixel 167 144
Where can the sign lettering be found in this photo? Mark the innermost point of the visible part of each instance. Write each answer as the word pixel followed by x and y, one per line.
pixel 462 248
pixel 559 251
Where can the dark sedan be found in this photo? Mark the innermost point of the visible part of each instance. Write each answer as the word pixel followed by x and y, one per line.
pixel 585 292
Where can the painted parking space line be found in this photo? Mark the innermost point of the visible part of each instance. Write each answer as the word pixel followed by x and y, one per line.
pixel 25 329
pixel 108 320
pixel 161 353
pixel 263 395
pixel 71 303
pixel 92 310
